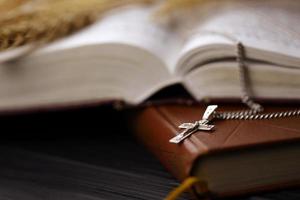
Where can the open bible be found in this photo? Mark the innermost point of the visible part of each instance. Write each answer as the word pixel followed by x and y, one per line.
pixel 129 56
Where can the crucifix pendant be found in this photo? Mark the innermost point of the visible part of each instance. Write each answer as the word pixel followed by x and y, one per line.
pixel 201 125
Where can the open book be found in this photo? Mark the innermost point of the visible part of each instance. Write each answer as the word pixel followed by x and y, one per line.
pixel 129 56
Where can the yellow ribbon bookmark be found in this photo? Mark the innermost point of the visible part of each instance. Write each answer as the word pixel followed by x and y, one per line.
pixel 186 185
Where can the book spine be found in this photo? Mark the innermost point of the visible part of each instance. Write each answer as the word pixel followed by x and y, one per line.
pixel 154 131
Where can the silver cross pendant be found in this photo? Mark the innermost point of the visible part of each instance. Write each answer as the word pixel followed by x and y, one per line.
pixel 201 125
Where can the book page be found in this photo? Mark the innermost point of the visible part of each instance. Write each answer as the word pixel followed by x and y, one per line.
pixel 132 25
pixel 271 26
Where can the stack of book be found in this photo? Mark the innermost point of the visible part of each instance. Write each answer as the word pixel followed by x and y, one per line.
pixel 222 52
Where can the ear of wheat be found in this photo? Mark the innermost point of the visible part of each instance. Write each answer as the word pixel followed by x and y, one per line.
pixel 27 21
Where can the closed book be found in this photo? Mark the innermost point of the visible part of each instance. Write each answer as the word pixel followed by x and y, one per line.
pixel 237 157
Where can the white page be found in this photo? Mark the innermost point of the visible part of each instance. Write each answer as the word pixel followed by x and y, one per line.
pixel 271 26
pixel 132 25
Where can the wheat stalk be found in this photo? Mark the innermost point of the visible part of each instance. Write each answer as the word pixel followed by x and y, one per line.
pixel 28 21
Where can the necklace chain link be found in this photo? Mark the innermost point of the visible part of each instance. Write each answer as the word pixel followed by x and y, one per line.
pixel 255 109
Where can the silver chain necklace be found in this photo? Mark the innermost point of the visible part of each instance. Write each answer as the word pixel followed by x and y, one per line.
pixel 253 113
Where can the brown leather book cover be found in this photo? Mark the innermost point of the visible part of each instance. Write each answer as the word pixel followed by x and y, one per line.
pixel 155 126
